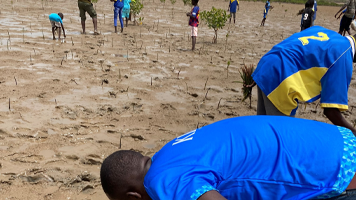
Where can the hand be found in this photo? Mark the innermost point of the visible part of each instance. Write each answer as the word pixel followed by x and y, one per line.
pixel 335 15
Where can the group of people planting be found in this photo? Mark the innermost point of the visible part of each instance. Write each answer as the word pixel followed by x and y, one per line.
pixel 271 156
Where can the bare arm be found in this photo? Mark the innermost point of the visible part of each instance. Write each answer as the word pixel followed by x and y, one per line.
pixel 342 8
pixel 64 33
pixel 334 115
pixel 212 195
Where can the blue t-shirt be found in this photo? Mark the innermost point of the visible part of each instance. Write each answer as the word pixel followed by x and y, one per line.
pixel 55 17
pixel 233 6
pixel 315 9
pixel 280 158
pixel 119 4
pixel 315 63
pixel 267 6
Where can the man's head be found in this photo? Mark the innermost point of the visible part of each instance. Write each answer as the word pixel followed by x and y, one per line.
pixel 310 3
pixel 195 2
pixel 122 175
pixel 61 15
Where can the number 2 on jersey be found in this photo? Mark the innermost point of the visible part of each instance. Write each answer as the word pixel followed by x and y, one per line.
pixel 322 37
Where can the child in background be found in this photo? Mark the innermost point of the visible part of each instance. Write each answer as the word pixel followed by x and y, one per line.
pixel 194 22
pixel 267 7
pixel 344 31
pixel 57 23
pixel 126 10
pixel 232 6
pixel 118 5
pixel 307 15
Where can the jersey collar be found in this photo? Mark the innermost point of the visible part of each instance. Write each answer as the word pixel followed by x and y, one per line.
pixel 352 42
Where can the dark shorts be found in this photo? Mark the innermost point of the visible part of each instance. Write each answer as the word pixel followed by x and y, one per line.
pixel 86 7
pixel 345 23
pixel 233 14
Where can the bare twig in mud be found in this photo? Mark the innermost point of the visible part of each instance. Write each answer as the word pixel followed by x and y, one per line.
pixel 7 44
pixel 62 61
pixel 170 49
pixel 74 81
pixel 120 141
pixel 9 105
pixel 197 125
pixel 34 51
pixel 219 104
pixel 15 80
pixel 55 101
pixel 72 41
pixel 23 35
pixel 8 34
pixel 151 81
pixel 179 73
pixel 186 84
pixel 112 42
pixel 30 57
pixel 228 64
pixel 119 74
pixel 206 82
pixel 157 57
pixel 206 94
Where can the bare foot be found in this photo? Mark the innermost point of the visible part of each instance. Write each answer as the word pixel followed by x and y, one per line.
pixel 96 32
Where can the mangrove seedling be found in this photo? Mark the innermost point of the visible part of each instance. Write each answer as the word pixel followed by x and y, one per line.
pixel 246 76
pixel 215 19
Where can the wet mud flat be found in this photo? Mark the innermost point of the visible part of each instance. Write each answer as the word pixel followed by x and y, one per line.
pixel 67 104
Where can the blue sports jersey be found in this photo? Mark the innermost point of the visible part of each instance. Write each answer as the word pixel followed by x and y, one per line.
pixel 315 63
pixel 271 161
pixel 55 17
pixel 233 6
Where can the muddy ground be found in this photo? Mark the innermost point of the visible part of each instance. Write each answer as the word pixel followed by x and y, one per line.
pixel 67 104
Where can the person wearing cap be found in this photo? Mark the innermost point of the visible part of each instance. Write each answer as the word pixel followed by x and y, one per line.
pixel 283 158
pixel 313 64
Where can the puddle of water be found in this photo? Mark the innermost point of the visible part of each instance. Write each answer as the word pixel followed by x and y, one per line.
pixel 62 121
pixel 168 97
pixel 47 153
pixel 149 145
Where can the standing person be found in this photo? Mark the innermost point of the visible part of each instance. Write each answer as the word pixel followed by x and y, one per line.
pixel 57 23
pixel 87 6
pixel 233 5
pixel 314 9
pixel 265 12
pixel 126 10
pixel 344 31
pixel 118 5
pixel 194 22
pixel 282 158
pixel 312 64
pixel 307 16
pixel 348 16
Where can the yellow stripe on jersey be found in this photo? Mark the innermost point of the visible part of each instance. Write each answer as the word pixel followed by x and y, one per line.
pixel 303 85
pixel 333 105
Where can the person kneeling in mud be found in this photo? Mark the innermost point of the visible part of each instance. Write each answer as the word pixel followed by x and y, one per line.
pixel 281 158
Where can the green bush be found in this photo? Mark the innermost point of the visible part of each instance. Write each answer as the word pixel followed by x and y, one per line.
pixel 215 19
pixel 94 1
pixel 173 1
pixel 187 2
pixel 136 7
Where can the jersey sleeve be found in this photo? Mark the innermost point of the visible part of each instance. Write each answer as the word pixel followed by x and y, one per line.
pixel 335 83
pixel 195 12
pixel 174 184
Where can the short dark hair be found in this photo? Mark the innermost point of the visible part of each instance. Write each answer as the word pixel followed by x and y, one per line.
pixel 116 170
pixel 61 15
pixel 195 2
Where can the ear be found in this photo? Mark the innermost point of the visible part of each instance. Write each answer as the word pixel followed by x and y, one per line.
pixel 133 195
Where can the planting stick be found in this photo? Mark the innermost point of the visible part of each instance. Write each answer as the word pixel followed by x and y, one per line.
pixel 219 103
pixel 179 72
pixel 119 74
pixel 112 42
pixel 15 80
pixel 72 41
pixel 62 60
pixel 206 94
pixel 30 58
pixel 55 101
pixel 23 35
pixel 8 34
pixel 157 57
pixel 151 81
pixel 127 55
pixel 34 51
pixel 104 18
pixel 206 82
pixel 120 141
pixel 9 104
pixel 186 86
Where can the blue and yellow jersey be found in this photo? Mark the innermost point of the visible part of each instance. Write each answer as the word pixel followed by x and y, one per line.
pixel 315 63
pixel 267 6
pixel 233 5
